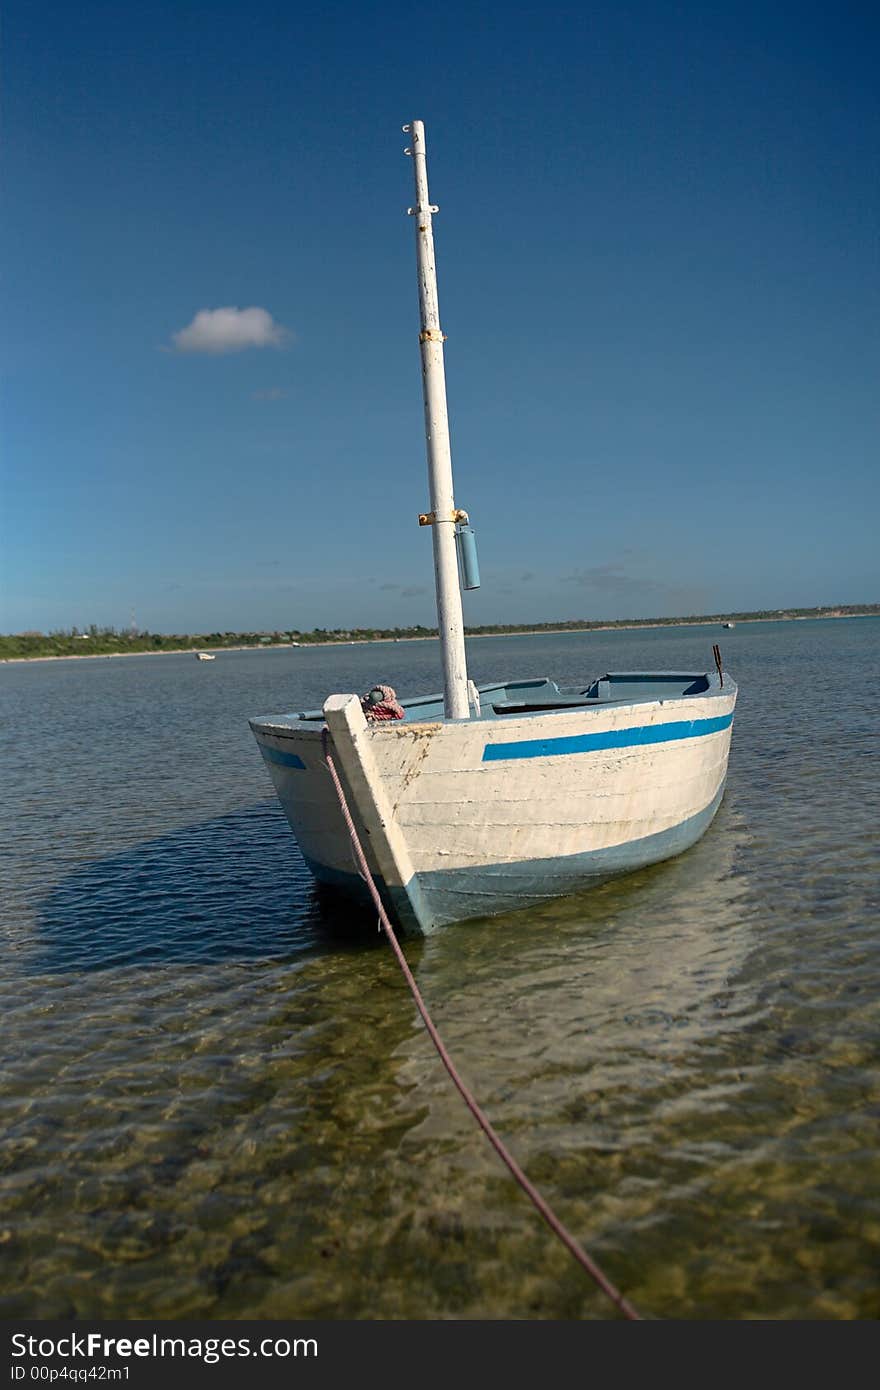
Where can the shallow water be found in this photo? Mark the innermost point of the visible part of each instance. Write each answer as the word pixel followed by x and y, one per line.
pixel 217 1100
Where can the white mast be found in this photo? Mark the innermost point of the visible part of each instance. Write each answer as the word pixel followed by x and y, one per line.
pixel 443 515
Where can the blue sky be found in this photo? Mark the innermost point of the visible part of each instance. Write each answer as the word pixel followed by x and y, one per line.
pixel 657 254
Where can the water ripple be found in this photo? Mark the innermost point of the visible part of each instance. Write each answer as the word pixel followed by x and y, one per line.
pixel 216 1098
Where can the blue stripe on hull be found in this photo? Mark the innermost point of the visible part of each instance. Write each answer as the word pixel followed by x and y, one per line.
pixel 274 755
pixel 453 895
pixel 613 738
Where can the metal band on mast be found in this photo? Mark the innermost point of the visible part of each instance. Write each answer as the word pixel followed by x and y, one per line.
pixel 450 620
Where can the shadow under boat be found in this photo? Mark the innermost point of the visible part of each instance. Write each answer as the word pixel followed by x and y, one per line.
pixel 233 888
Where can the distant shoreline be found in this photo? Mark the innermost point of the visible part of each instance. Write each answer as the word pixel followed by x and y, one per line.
pixel 432 637
pixel 166 651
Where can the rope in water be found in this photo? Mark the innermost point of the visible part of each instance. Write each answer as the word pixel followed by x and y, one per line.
pixel 553 1221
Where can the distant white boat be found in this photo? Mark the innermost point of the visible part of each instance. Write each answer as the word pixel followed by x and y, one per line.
pixel 477 801
pixel 204 656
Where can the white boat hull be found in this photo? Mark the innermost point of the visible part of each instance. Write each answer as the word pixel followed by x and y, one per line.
pixel 470 818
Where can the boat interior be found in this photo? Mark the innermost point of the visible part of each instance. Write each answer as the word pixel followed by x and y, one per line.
pixel 542 696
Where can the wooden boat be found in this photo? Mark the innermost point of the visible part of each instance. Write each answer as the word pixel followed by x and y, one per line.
pixel 477 801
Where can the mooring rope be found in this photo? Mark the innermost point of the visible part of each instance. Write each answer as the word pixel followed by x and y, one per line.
pixel 546 1211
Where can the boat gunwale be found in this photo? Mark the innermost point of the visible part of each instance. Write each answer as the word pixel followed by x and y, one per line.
pixel 312 722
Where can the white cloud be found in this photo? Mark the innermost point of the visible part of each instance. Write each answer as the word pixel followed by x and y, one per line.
pixel 229 330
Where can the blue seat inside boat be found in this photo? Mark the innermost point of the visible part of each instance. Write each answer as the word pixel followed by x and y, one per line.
pixel 560 701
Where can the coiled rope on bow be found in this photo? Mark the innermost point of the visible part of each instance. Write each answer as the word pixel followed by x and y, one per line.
pixel 382 703
pixel 543 1207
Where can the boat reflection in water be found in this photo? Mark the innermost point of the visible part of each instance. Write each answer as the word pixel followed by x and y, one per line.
pixel 590 1029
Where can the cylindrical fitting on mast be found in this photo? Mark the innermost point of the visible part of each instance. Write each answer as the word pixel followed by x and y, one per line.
pixel 467 557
